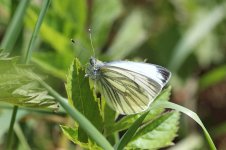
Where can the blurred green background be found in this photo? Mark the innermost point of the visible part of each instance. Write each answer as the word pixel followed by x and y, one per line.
pixel 187 37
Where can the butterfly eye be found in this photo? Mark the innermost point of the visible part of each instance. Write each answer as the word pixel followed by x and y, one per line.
pixel 92 61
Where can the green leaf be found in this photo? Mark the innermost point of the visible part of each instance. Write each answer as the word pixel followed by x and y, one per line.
pixel 204 52
pixel 38 23
pixel 77 116
pixel 191 114
pixel 103 16
pixel 72 21
pixel 82 98
pixel 52 63
pixel 156 134
pixel 195 34
pixel 62 25
pixel 19 86
pixel 59 42
pixel 130 36
pixel 163 97
pixel 14 27
pixel 127 121
pixel 122 124
pixel 109 117
pixel 72 134
pixel 213 77
pixel 130 132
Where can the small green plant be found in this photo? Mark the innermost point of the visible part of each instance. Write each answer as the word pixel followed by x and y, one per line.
pixel 95 126
pixel 19 85
pixel 151 130
pixel 103 118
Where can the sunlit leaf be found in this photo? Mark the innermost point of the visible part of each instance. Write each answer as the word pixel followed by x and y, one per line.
pixel 19 86
pixel 130 36
pixel 82 98
pixel 156 134
pixel 59 42
pixel 109 118
pixel 195 34
pixel 72 134
pixel 72 21
pixel 52 63
pixel 126 138
pixel 192 115
pixel 103 16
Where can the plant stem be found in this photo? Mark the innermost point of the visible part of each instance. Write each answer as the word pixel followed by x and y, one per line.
pixel 7 43
pixel 26 59
pixel 126 138
pixel 21 137
pixel 10 133
pixel 14 27
pixel 45 6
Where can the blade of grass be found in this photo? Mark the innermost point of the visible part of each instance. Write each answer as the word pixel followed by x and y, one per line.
pixel 130 132
pixel 10 133
pixel 45 6
pixel 191 114
pixel 85 124
pixel 21 137
pixel 15 27
pixel 26 59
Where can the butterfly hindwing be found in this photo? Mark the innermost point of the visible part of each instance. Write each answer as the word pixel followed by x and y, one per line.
pixel 127 91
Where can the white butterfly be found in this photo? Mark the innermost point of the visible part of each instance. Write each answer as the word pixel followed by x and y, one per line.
pixel 128 87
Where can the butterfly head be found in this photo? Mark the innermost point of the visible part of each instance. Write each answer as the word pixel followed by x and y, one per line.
pixel 93 68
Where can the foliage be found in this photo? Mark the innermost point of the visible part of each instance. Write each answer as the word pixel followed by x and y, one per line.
pixel 19 85
pixel 81 97
pixel 187 37
pixel 157 134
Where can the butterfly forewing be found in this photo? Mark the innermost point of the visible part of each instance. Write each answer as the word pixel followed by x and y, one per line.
pixel 154 72
pixel 128 87
pixel 127 91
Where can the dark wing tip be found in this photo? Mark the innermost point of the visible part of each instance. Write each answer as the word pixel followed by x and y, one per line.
pixel 166 74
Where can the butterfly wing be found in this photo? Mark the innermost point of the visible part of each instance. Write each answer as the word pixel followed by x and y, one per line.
pixel 129 90
pixel 155 72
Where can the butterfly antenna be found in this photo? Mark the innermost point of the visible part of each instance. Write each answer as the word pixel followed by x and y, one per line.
pixel 78 43
pixel 74 42
pixel 91 42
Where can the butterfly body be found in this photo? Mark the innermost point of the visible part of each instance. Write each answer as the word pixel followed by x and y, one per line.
pixel 128 87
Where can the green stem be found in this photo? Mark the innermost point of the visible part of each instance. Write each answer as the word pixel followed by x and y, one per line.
pixel 26 59
pixel 8 41
pixel 191 114
pixel 21 137
pixel 10 133
pixel 15 26
pixel 85 124
pixel 45 6
pixel 126 138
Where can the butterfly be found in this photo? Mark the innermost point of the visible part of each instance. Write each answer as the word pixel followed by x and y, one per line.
pixel 128 87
